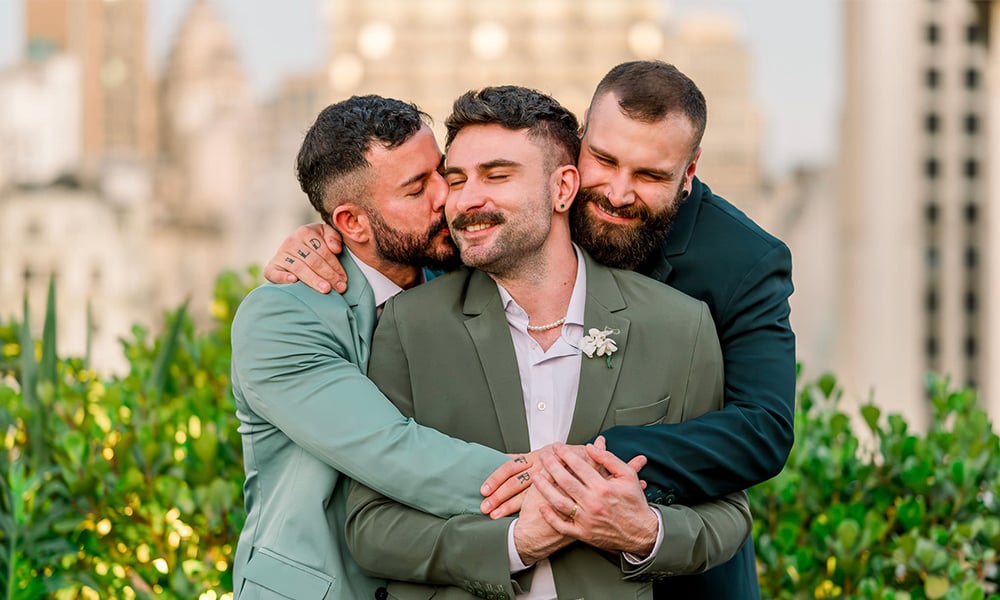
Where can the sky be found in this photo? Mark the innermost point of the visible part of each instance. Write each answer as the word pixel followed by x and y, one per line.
pixel 795 44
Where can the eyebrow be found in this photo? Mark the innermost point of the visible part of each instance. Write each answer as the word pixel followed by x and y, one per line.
pixel 414 179
pixel 486 166
pixel 647 170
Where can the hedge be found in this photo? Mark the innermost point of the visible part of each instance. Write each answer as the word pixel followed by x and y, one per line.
pixel 130 486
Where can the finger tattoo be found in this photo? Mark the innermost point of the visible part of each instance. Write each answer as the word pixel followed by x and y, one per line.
pixel 521 459
pixel 314 243
pixel 289 260
pixel 524 478
pixel 303 254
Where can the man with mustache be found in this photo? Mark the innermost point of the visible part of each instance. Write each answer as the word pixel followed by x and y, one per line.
pixel 309 417
pixel 639 209
pixel 497 354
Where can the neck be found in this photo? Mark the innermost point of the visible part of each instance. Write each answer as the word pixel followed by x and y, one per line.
pixel 544 290
pixel 405 276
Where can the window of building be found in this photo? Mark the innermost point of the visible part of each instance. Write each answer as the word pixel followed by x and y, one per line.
pixel 971 123
pixel 931 212
pixel 931 168
pixel 971 213
pixel 971 302
pixel 971 78
pixel 970 346
pixel 971 257
pixel 931 301
pixel 971 168
pixel 932 123
pixel 933 33
pixel 932 256
pixel 933 77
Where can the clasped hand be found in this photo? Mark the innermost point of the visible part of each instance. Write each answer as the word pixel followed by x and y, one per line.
pixel 566 493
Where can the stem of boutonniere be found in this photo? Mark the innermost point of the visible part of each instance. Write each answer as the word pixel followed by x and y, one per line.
pixel 608 358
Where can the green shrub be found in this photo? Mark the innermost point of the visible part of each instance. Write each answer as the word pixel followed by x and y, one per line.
pixel 130 487
pixel 121 487
pixel 899 516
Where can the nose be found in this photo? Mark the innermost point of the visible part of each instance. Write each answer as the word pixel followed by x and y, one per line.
pixel 437 192
pixel 619 189
pixel 464 198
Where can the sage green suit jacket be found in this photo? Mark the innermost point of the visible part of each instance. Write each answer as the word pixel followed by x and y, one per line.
pixel 443 354
pixel 310 419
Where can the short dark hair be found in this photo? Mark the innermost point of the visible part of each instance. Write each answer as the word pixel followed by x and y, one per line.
pixel 649 90
pixel 515 108
pixel 336 144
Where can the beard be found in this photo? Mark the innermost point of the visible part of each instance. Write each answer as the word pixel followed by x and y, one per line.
pixel 414 249
pixel 616 245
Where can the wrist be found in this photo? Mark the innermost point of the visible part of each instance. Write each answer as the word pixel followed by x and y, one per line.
pixel 645 538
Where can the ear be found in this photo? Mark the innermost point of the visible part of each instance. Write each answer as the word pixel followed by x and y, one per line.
pixel 565 184
pixel 352 222
pixel 691 168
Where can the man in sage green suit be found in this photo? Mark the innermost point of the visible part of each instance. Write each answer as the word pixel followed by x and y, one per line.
pixel 309 417
pixel 450 355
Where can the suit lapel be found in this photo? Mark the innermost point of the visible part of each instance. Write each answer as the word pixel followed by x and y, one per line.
pixel 487 325
pixel 361 298
pixel 597 381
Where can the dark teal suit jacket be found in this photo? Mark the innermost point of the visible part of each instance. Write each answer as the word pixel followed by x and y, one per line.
pixel 716 254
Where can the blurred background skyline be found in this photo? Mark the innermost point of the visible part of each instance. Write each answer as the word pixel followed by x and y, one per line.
pixel 795 49
pixel 145 145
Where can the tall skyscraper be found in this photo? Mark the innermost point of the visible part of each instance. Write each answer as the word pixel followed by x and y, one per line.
pixel 916 205
pixel 108 39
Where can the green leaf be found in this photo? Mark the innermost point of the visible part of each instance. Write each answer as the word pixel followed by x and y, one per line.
pixel 156 383
pixel 935 587
pixel 871 413
pixel 47 367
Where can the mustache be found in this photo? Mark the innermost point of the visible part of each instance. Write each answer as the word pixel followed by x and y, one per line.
pixel 487 217
pixel 629 211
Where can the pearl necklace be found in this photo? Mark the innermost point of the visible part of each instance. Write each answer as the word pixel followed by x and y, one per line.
pixel 547 326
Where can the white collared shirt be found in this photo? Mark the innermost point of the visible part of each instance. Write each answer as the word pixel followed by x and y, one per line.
pixel 383 287
pixel 550 381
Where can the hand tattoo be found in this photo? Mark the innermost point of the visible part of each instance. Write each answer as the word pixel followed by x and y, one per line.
pixel 303 254
pixel 314 243
pixel 290 260
pixel 524 478
pixel 520 459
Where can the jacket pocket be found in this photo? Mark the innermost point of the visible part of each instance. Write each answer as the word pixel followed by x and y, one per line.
pixel 649 414
pixel 285 577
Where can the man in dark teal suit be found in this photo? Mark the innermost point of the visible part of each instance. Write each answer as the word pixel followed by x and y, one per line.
pixel 667 224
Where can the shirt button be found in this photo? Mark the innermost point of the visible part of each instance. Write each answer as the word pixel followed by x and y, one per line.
pixel 541 406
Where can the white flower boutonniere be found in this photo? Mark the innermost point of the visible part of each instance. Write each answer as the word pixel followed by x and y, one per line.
pixel 597 343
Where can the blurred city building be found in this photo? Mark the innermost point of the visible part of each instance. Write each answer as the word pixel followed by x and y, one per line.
pixel 919 209
pixel 108 40
pixel 204 163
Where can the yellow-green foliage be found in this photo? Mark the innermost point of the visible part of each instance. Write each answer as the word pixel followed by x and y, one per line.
pixel 130 487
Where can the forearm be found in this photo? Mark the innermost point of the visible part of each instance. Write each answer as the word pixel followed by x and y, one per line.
pixel 395 542
pixel 708 457
pixel 296 375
